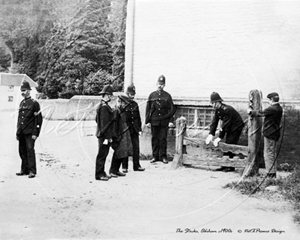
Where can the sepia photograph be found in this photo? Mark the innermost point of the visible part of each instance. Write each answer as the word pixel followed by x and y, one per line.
pixel 149 119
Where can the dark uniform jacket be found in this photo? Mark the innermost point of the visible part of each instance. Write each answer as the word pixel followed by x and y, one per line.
pixel 30 118
pixel 104 120
pixel 231 120
pixel 159 108
pixel 133 117
pixel 273 115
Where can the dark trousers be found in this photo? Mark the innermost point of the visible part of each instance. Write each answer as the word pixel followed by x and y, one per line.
pixel 159 141
pixel 136 152
pixel 27 153
pixel 103 151
pixel 233 138
pixel 115 164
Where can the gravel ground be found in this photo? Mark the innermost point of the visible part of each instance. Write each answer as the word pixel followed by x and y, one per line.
pixel 64 201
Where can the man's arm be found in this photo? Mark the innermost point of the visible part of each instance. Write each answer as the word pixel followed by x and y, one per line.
pixel 38 120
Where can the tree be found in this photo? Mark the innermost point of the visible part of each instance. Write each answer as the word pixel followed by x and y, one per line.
pixel 24 25
pixel 118 26
pixel 78 50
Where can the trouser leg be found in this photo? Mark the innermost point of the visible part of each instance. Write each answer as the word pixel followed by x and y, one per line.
pixel 163 133
pixel 23 154
pixel 125 163
pixel 270 155
pixel 136 150
pixel 103 151
pixel 115 164
pixel 155 141
pixel 30 153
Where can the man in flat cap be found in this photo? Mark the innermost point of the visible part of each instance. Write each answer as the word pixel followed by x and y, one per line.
pixel 133 120
pixel 232 125
pixel 104 132
pixel 28 129
pixel 159 111
pixel 271 131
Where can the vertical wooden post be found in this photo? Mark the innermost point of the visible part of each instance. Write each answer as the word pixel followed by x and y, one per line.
pixel 254 134
pixel 180 132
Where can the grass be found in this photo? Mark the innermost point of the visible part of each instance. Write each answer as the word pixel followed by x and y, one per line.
pixel 288 187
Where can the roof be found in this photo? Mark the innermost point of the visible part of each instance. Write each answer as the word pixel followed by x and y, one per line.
pixel 10 79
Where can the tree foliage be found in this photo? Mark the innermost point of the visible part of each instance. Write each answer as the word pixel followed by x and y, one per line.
pixel 68 46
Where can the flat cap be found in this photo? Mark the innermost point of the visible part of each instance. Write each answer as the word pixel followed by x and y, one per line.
pixel 272 94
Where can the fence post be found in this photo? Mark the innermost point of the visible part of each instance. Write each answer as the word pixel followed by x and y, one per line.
pixel 180 132
pixel 254 134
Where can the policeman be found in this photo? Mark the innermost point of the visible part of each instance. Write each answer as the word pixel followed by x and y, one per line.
pixel 159 111
pixel 271 131
pixel 104 132
pixel 231 124
pixel 28 129
pixel 133 120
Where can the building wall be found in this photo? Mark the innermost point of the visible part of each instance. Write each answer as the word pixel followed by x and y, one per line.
pixel 13 94
pixel 202 46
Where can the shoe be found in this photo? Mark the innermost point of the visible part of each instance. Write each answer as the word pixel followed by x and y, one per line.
pixel 108 176
pixel 220 169
pixel 31 175
pixel 154 160
pixel 139 169
pixel 22 173
pixel 120 174
pixel 114 175
pixel 124 170
pixel 102 178
pixel 165 161
pixel 229 169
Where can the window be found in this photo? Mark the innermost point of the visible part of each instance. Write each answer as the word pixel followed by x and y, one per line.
pixel 10 98
pixel 196 117
pixel 11 88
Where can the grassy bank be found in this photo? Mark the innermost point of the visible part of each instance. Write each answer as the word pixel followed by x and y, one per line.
pixel 286 187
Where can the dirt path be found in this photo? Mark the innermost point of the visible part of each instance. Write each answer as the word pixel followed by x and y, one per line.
pixel 65 202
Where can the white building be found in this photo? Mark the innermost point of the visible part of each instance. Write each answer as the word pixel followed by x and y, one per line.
pixel 201 46
pixel 10 94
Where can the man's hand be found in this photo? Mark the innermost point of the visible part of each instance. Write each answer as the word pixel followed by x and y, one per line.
pixel 148 125
pixel 249 111
pixel 216 141
pixel 171 125
pixel 208 139
pixel 34 137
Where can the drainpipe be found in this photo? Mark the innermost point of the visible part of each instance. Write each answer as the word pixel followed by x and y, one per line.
pixel 129 47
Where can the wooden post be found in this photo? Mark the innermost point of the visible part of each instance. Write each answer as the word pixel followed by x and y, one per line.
pixel 180 132
pixel 254 134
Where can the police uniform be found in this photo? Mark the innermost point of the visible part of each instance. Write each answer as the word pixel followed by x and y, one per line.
pixel 159 111
pixel 29 124
pixel 232 124
pixel 133 120
pixel 104 133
